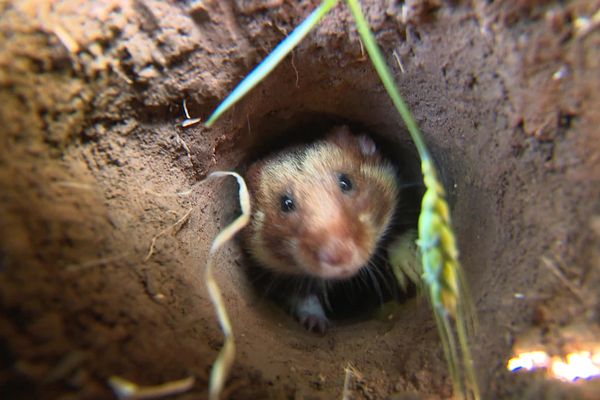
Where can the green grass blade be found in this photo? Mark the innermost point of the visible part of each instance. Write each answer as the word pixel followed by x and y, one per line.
pixel 272 60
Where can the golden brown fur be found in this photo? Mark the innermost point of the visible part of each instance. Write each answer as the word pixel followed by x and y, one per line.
pixel 327 225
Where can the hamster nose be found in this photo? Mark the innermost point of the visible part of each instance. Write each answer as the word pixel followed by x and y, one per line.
pixel 336 253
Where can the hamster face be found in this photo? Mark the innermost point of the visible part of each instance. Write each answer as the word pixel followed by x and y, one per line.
pixel 321 209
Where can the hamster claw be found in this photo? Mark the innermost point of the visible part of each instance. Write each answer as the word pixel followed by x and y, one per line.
pixel 315 323
pixel 309 312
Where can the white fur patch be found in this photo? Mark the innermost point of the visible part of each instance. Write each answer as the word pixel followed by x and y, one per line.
pixel 309 305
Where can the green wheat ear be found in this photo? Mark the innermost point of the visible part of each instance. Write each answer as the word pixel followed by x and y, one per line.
pixel 447 289
pixel 442 274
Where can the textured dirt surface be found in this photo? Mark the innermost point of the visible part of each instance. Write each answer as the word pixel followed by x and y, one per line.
pixel 105 224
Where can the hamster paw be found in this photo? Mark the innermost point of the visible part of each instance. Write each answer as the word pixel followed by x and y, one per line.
pixel 315 323
pixel 309 311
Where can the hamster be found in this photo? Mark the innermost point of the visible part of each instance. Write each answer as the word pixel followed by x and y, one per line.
pixel 319 214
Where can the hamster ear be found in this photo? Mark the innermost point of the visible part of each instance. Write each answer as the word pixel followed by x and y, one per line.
pixel 341 135
pixel 252 175
pixel 362 144
pixel 367 145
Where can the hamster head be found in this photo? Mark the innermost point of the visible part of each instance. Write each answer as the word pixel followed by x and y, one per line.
pixel 321 209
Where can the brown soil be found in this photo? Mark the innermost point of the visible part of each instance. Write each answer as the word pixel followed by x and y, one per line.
pixel 92 159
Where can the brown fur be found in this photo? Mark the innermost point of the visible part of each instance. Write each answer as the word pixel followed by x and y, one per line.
pixel 349 224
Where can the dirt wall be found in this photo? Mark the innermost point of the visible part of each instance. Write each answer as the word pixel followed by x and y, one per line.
pixel 106 222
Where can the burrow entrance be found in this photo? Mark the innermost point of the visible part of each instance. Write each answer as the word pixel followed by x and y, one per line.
pixel 362 297
pixel 271 119
pixel 107 222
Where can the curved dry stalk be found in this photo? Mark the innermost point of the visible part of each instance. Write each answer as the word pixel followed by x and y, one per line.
pixel 127 390
pixel 222 365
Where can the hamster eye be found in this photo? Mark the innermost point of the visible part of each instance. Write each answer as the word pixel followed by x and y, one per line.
pixel 345 183
pixel 287 204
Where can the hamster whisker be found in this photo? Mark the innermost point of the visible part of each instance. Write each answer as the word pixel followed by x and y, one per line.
pixel 272 286
pixel 364 277
pixel 380 258
pixel 375 284
pixel 405 185
pixel 407 212
pixel 303 285
pixel 385 276
pixel 325 296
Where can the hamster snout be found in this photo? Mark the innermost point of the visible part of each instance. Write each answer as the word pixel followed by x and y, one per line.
pixel 331 242
pixel 338 254
pixel 320 210
pixel 334 258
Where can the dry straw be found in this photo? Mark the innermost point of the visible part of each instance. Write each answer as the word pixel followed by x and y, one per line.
pixel 222 366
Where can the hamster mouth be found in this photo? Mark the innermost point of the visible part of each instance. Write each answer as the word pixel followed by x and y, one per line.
pixel 328 271
pixel 335 268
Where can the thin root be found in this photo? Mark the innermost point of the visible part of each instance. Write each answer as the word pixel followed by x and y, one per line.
pixel 185 147
pixel 398 61
pixel 179 221
pixel 95 263
pixel 561 277
pixel 363 57
pixel 296 71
